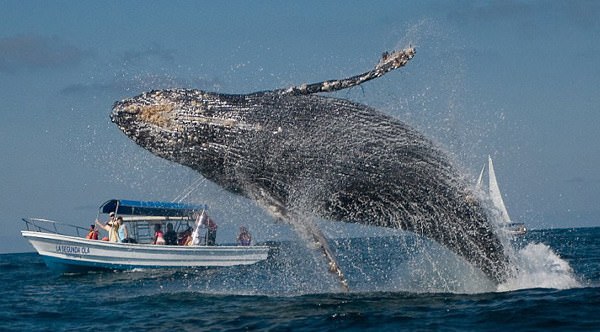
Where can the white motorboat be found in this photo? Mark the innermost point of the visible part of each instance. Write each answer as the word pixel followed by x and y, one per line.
pixel 65 247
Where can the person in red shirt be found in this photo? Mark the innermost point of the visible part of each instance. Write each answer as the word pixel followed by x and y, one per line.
pixel 93 233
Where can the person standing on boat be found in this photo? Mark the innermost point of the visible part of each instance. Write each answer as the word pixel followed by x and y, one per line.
pixel 170 235
pixel 244 238
pixel 159 237
pixel 122 232
pixel 211 234
pixel 111 226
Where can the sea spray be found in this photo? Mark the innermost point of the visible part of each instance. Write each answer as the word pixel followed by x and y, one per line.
pixel 538 266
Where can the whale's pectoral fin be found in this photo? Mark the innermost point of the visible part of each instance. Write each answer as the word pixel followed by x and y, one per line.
pixel 387 63
pixel 305 227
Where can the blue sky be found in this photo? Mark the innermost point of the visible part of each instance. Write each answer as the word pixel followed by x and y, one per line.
pixel 515 79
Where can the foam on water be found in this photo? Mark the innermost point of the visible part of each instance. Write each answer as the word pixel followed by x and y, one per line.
pixel 430 268
pixel 538 266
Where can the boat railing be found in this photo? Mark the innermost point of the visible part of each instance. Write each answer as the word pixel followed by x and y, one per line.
pixel 56 227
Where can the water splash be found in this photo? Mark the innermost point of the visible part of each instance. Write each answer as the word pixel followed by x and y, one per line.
pixel 538 266
pixel 533 264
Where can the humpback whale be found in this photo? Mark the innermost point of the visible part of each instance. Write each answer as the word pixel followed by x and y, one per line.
pixel 295 152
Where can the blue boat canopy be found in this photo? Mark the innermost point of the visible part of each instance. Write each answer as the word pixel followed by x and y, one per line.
pixel 146 208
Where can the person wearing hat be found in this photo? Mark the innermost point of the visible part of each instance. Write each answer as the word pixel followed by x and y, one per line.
pixel 111 226
pixel 111 218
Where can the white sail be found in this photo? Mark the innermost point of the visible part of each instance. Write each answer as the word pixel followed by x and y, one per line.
pixel 495 195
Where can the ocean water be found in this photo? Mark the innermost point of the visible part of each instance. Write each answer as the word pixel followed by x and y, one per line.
pixel 397 283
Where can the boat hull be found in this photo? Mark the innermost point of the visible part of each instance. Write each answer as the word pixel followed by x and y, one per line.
pixel 73 253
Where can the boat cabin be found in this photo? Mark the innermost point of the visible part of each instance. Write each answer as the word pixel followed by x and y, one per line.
pixel 140 217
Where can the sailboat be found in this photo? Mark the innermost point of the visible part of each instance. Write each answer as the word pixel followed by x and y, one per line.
pixel 496 197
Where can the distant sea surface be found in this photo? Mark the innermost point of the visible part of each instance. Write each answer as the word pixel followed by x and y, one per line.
pixel 396 283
